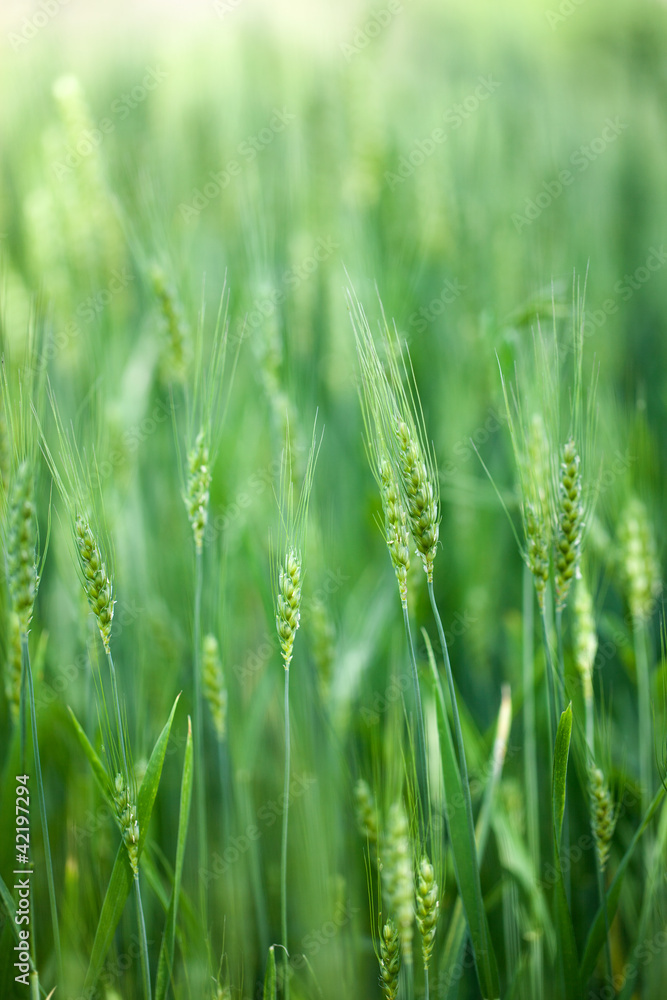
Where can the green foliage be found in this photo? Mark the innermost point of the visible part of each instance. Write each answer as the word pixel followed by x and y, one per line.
pixel 184 203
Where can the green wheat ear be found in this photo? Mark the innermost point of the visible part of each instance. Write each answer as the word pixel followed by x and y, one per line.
pixel 208 398
pixel 197 490
pixel 176 347
pixel 398 876
pixel 396 433
pixel 213 683
pixel 604 815
pixel 390 960
pixel 288 603
pixel 96 582
pixel 639 562
pixel 366 810
pixel 21 544
pixel 126 815
pixel 287 563
pixel 570 514
pixel 427 908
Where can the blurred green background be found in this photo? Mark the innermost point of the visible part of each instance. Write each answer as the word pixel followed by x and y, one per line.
pixel 464 161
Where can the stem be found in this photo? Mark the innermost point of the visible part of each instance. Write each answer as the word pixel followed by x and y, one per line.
pixel 644 698
pixel 145 968
pixel 426 985
pixel 552 720
pixel 561 659
pixel 283 850
pixel 22 703
pixel 590 721
pixel 198 737
pixel 225 787
pixel 25 660
pixel 463 766
pixel 603 902
pixel 119 718
pixel 422 768
pixel 565 840
pixel 530 770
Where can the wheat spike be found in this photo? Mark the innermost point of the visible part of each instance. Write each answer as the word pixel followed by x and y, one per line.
pixel 398 876
pixel 390 960
pixel 427 908
pixel 397 535
pixel 22 576
pixel 366 809
pixel 419 495
pixel 323 639
pixel 176 354
pixel 126 814
pixel 197 491
pixel 640 565
pixel 215 690
pixel 604 815
pixel 288 603
pixel 570 524
pixel 96 582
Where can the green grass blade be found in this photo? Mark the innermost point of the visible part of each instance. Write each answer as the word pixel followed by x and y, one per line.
pixel 567 945
pixel 100 772
pixel 561 756
pixel 597 933
pixel 465 859
pixel 270 987
pixel 455 942
pixel 166 961
pixel 121 881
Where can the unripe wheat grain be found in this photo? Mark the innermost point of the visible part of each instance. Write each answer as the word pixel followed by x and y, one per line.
pixel 427 908
pixel 390 960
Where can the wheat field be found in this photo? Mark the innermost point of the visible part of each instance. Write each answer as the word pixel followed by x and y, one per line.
pixel 333 654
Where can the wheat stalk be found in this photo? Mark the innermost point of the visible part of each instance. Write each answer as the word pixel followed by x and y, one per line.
pixel 585 650
pixel 286 571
